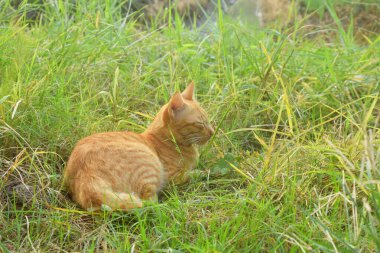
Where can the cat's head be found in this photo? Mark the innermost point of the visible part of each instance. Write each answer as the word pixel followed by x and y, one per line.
pixel 186 119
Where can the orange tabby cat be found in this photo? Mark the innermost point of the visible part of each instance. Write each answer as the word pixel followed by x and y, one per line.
pixel 117 170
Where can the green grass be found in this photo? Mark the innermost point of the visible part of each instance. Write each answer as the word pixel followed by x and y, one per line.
pixel 293 167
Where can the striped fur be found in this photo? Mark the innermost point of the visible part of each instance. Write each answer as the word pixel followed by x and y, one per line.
pixel 120 169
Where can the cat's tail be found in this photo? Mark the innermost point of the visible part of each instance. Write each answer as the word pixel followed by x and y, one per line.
pixel 96 194
pixel 118 201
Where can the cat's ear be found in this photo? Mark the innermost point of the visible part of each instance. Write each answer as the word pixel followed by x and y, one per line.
pixel 176 102
pixel 188 93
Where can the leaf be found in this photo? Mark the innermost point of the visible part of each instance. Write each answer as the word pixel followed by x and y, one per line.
pixel 222 166
pixel 3 99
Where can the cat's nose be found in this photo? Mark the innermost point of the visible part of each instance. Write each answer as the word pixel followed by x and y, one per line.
pixel 211 131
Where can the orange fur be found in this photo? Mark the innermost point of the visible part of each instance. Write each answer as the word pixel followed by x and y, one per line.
pixel 273 10
pixel 120 169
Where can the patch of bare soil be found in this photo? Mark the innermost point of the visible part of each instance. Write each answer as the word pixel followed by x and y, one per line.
pixel 26 182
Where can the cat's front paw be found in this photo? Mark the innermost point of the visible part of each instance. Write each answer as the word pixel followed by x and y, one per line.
pixel 181 179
